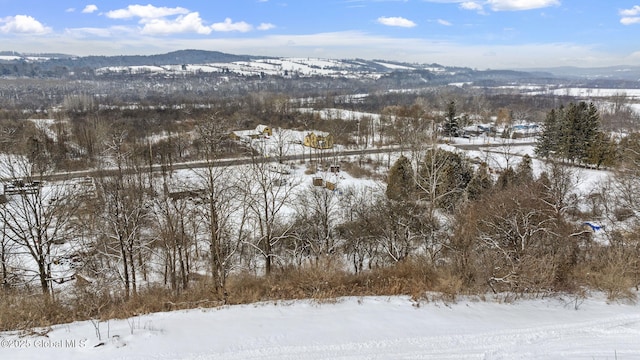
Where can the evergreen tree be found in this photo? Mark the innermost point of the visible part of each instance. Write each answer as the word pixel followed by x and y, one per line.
pixel 548 140
pixel 524 171
pixel 603 151
pixel 580 128
pixel 569 142
pixel 506 133
pixel 570 133
pixel 400 183
pixel 591 133
pixel 480 183
pixel 451 126
pixel 506 179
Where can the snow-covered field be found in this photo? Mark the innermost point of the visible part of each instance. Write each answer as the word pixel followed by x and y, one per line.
pixel 258 67
pixel 590 92
pixel 354 328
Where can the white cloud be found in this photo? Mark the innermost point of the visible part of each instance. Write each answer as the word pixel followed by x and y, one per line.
pixel 630 16
pixel 22 24
pixel 630 20
pixel 396 21
pixel 634 11
pixel 189 23
pixel 517 5
pixel 89 9
pixel 472 5
pixel 177 20
pixel 444 22
pixel 500 5
pixel 266 26
pixel 70 10
pixel 229 25
pixel 145 12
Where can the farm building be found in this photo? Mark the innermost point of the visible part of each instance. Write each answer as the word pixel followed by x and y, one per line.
pixel 318 140
pixel 259 132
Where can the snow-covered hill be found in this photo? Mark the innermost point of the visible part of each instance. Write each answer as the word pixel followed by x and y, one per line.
pixel 194 62
pixel 353 328
pixel 292 67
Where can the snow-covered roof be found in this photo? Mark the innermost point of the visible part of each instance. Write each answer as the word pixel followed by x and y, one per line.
pixel 319 133
pixel 259 130
pixel 262 128
pixel 244 133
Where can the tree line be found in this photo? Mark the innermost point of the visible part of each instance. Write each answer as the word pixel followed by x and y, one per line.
pixel 573 134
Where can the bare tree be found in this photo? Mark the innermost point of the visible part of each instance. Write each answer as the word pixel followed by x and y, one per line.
pixel 560 182
pixel 283 143
pixel 316 218
pixel 618 115
pixel 7 249
pixel 268 197
pixel 513 241
pixel 89 132
pixel 125 212
pixel 397 227
pixel 413 130
pixel 36 217
pixel 503 156
pixel 358 244
pixel 225 212
pixel 621 193
pixel 442 179
pixel 174 239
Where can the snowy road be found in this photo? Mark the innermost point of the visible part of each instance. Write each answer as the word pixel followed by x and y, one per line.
pixel 354 328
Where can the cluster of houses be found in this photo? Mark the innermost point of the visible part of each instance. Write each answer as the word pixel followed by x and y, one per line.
pixel 312 139
pixel 518 130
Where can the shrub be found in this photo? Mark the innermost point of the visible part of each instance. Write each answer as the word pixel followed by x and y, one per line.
pixel 614 271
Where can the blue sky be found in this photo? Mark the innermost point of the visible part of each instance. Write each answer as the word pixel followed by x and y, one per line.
pixel 474 33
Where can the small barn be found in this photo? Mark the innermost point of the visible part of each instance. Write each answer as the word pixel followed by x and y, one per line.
pixel 264 130
pixel 260 131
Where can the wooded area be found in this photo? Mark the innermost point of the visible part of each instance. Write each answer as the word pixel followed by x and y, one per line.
pixel 135 239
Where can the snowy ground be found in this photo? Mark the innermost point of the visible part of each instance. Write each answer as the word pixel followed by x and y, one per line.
pixel 354 328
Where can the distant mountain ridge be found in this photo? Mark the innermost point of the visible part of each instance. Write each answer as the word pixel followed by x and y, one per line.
pixel 620 72
pixel 25 55
pixel 190 61
pixel 173 58
pixel 95 61
pixel 16 64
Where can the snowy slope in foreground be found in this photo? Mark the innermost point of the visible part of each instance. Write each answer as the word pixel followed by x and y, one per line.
pixel 366 328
